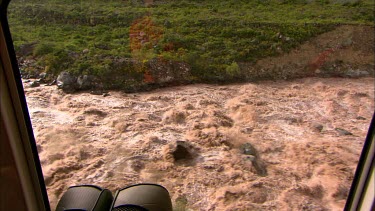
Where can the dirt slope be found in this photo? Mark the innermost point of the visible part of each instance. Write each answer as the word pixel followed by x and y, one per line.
pixel 346 51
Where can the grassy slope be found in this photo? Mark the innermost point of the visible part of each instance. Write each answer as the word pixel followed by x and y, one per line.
pixel 211 36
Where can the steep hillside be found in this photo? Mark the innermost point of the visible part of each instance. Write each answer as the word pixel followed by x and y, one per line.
pixel 133 45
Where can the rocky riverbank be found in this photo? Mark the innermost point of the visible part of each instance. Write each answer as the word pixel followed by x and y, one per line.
pixel 347 51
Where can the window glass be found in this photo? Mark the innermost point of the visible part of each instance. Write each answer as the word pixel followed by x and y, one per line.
pixel 229 104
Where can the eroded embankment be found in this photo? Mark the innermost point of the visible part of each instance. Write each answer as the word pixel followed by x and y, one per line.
pixel 347 51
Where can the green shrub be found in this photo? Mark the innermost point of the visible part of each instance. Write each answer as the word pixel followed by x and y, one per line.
pixel 42 49
pixel 233 70
pixel 58 61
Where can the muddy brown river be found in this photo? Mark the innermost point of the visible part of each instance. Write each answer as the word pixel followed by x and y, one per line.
pixel 285 145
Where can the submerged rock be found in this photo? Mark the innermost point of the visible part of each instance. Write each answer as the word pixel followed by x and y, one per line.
pixel 253 157
pixel 248 149
pixel 181 152
pixel 343 132
pixel 317 127
pixel 35 84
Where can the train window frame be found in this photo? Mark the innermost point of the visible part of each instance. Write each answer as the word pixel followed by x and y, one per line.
pixel 19 134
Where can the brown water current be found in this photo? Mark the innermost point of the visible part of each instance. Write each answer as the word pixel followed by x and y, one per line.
pixel 284 145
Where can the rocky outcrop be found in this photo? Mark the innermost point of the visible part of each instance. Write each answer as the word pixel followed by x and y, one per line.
pixel 26 49
pixel 66 82
pixel 70 83
pixel 86 82
pixel 167 72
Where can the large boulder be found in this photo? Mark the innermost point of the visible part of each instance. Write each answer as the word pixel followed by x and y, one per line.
pixel 86 82
pixel 69 83
pixel 66 82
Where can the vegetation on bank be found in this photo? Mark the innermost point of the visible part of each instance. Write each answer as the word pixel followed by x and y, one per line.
pixel 117 40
